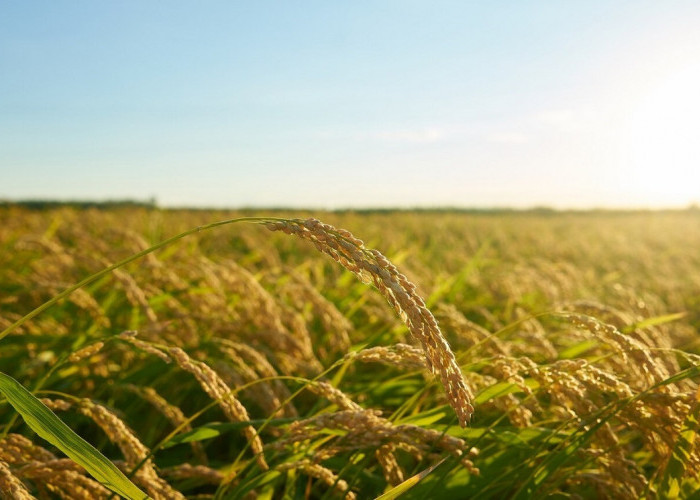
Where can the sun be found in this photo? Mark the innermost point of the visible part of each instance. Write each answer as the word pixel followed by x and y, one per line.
pixel 662 146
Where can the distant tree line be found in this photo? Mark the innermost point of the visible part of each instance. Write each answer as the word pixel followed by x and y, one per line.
pixel 79 204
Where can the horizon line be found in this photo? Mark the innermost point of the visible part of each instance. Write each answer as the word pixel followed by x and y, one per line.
pixel 41 203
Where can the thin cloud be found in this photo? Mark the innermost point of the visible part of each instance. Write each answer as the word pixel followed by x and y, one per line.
pixel 507 138
pixel 421 135
pixel 427 135
pixel 557 117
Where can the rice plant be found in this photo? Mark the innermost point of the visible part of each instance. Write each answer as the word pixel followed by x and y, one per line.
pixel 151 353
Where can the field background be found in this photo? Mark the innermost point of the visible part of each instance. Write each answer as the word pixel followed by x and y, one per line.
pixel 577 332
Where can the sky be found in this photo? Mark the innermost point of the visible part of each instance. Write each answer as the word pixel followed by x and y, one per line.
pixel 568 104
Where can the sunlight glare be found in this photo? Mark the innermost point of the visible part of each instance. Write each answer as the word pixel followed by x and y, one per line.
pixel 663 142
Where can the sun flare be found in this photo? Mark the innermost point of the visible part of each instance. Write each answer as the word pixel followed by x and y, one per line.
pixel 663 142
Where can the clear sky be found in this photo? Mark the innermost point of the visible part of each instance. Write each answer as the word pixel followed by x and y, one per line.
pixel 345 104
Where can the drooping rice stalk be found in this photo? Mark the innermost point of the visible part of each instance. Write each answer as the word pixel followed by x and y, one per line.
pixel 372 267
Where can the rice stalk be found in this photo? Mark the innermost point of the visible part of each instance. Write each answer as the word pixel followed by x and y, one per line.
pixel 320 472
pixel 372 267
pixel 217 389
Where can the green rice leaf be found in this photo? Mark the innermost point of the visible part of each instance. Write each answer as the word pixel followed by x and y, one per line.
pixel 692 372
pixel 257 482
pixel 409 483
pixel 496 390
pixel 203 433
pixel 682 455
pixel 428 417
pixel 656 320
pixel 213 429
pixel 48 426
pixel 578 349
pixel 556 459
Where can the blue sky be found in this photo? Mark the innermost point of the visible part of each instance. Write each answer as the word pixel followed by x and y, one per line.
pixel 349 104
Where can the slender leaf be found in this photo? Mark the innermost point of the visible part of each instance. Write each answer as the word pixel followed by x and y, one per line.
pixel 48 426
pixel 496 390
pixel 214 429
pixel 427 417
pixel 409 483
pixel 656 320
pixel 681 456
pixel 555 460
pixel 578 349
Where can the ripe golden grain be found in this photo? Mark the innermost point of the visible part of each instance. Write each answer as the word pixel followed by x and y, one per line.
pixel 199 472
pixel 217 389
pixel 17 449
pixel 86 352
pixel 634 353
pixel 171 412
pixel 259 367
pixel 130 337
pixel 393 473
pixel 64 478
pixel 372 267
pixel 367 429
pixel 404 355
pixel 135 452
pixel 320 472
pixel 10 485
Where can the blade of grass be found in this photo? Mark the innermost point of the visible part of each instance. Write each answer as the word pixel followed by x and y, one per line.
pixel 213 429
pixel 51 428
pixel 656 320
pixel 409 483
pixel 681 456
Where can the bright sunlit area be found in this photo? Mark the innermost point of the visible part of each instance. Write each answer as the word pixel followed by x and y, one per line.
pixel 662 140
pixel 363 104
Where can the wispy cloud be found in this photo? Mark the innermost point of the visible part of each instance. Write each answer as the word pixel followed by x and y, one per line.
pixel 554 117
pixel 531 127
pixel 516 129
pixel 425 135
pixel 507 138
pixel 409 135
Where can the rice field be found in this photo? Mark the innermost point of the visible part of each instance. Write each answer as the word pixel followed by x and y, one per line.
pixel 412 354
